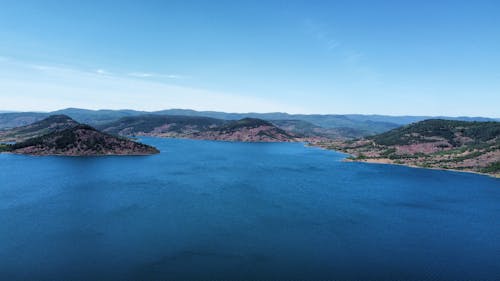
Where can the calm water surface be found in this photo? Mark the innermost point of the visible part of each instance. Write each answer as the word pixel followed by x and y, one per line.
pixel 243 211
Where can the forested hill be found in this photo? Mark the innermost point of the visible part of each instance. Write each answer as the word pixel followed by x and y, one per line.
pixel 61 135
pixel 80 140
pixel 455 133
pixel 159 125
pixel 435 143
pixel 247 129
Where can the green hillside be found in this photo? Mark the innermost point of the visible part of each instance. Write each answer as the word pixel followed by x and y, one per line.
pixel 435 129
pixel 159 124
pixel 435 143
pixel 80 140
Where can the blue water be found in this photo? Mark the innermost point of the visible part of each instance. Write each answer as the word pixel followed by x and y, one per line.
pixel 205 210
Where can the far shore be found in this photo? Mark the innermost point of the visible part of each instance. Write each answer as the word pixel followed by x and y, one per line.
pixel 386 161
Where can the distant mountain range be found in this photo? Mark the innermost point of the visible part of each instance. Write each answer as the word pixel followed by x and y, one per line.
pixel 51 124
pixel 433 143
pixel 350 125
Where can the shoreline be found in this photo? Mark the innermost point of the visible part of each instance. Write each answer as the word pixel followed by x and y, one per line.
pixel 382 161
pixel 385 161
pixel 86 155
pixel 370 161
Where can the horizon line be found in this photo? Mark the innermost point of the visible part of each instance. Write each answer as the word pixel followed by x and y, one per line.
pixel 3 111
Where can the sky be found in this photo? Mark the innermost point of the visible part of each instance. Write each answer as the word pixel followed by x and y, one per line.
pixel 331 57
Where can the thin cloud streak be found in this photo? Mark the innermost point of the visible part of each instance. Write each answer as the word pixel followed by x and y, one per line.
pixel 43 87
pixel 319 32
pixel 353 59
pixel 102 72
pixel 156 75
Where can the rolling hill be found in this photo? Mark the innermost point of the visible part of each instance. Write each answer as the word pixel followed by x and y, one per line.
pixel 81 140
pixel 61 135
pixel 247 129
pixel 160 125
pixel 50 124
pixel 306 129
pixel 346 125
pixel 435 143
pixel 17 119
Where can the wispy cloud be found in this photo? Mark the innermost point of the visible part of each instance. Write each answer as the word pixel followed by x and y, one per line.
pixel 353 60
pixel 321 34
pixel 102 72
pixel 44 67
pixel 141 74
pixel 156 75
pixel 30 86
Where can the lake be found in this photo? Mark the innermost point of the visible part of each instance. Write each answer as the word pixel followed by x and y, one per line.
pixel 204 210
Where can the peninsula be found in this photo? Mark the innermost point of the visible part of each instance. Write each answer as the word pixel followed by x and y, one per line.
pixel 60 135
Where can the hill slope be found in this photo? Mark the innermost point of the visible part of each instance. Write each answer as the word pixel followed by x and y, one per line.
pixel 306 129
pixel 450 133
pixel 81 140
pixel 248 129
pixel 17 119
pixel 50 124
pixel 435 143
pixel 160 125
pixel 351 124
pixel 96 117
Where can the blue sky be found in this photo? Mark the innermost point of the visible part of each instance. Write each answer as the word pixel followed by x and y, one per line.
pixel 370 57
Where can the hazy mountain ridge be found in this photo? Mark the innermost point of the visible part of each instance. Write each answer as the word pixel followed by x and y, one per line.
pixel 307 129
pixel 16 119
pixel 96 117
pixel 358 123
pixel 50 124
